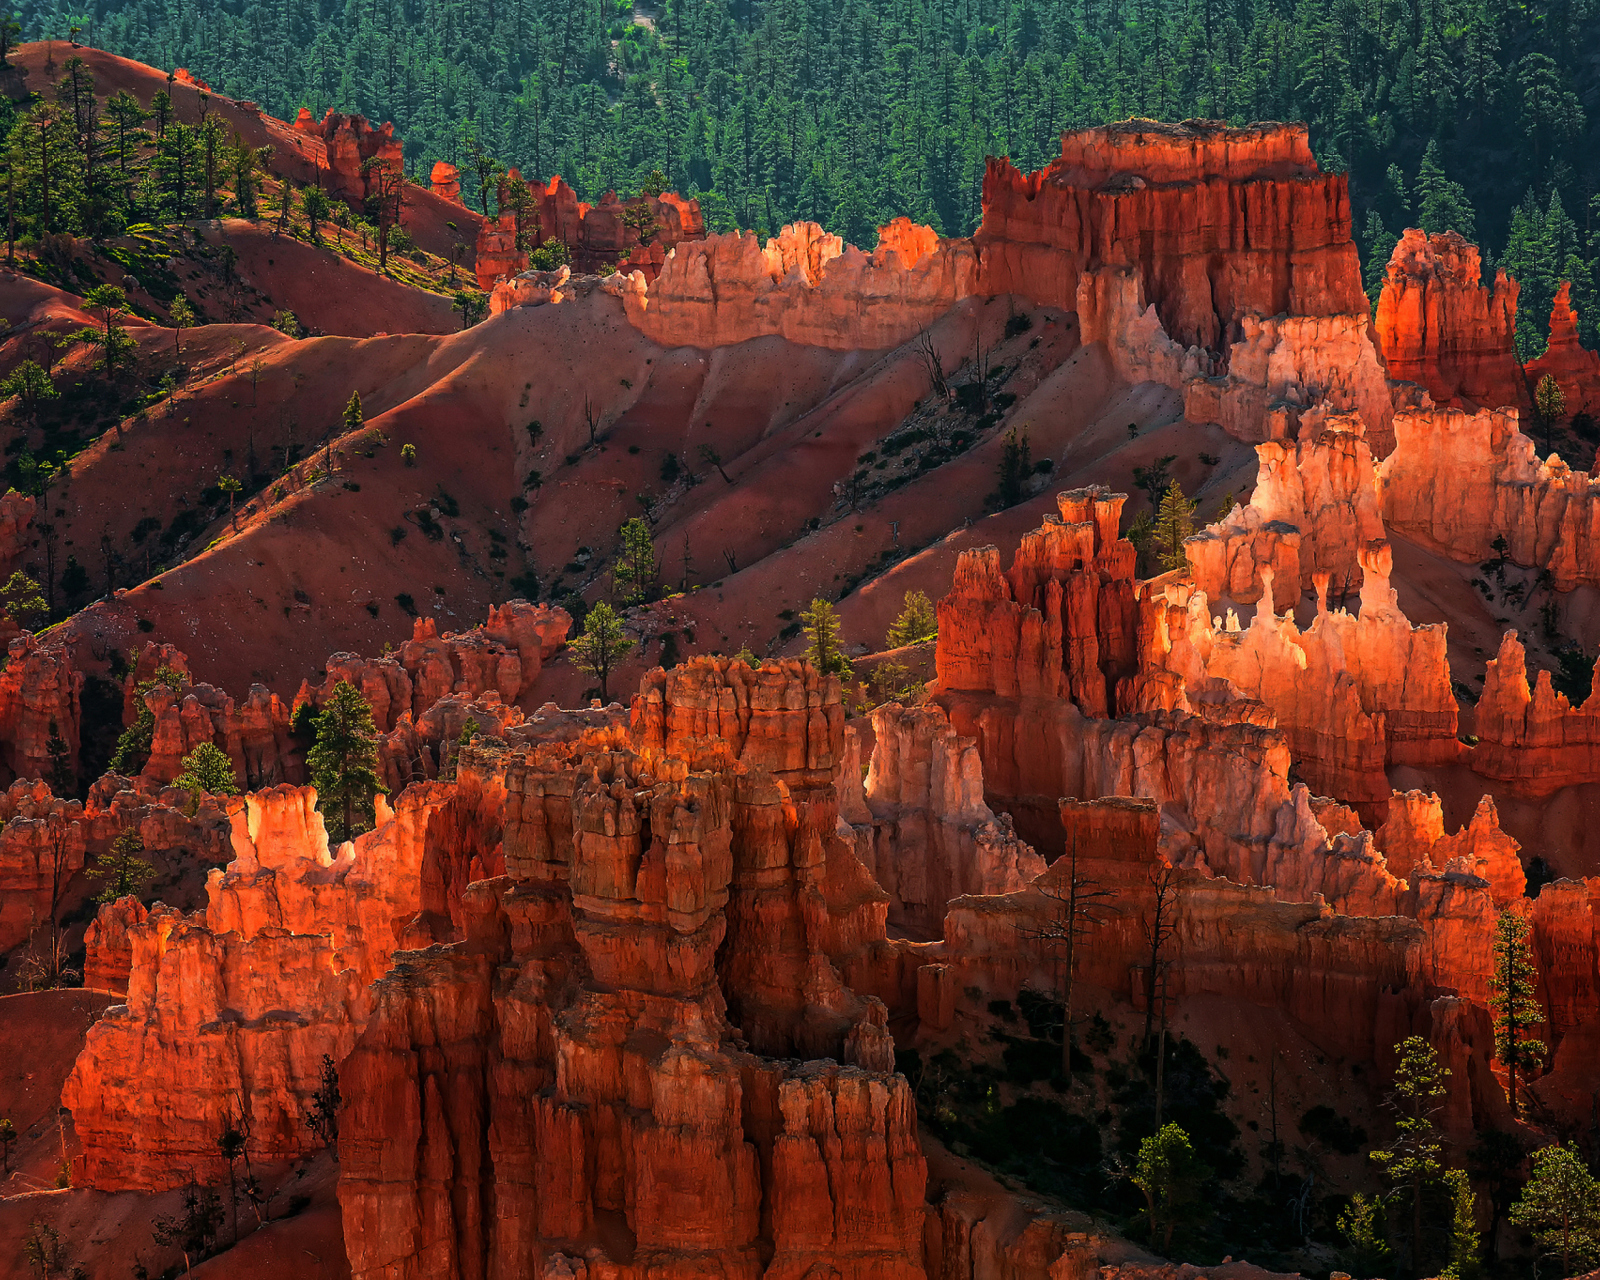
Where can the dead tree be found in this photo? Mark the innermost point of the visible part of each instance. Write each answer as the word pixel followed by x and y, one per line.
pixel 1079 905
pixel 923 345
pixel 1158 930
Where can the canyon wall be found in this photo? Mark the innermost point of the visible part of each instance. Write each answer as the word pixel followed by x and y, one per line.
pixel 1221 223
pixel 1457 481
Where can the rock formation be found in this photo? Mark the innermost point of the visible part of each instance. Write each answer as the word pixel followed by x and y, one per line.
pixel 233 1008
pixel 1313 509
pixel 659 891
pixel 1060 624
pixel 1457 481
pixel 1439 327
pixel 931 836
pixel 346 143
pixel 633 235
pixel 39 692
pixel 1534 741
pixel 1222 223
pixel 42 846
pixel 1353 692
pixel 1576 370
pixel 1283 367
pixel 445 181
pixel 805 285
pixel 108 944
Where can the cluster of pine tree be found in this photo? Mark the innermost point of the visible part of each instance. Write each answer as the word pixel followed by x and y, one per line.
pixel 74 163
pixel 850 111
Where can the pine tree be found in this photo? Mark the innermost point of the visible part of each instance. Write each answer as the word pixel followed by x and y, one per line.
pixel 24 603
pixel 1174 522
pixel 122 869
pixel 61 772
pixel 917 622
pixel 208 770
pixel 821 623
pixel 182 316
pixel 1016 465
pixel 1361 1224
pixel 31 385
pixel 1411 1163
pixel 1464 1262
pixel 1513 999
pixel 1550 402
pixel 634 574
pixel 1561 1207
pixel 1171 1177
pixel 343 762
pixel 602 646
pixel 133 747
pixel 1442 205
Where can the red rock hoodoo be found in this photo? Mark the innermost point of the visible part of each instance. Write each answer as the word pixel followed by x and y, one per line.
pixel 1439 327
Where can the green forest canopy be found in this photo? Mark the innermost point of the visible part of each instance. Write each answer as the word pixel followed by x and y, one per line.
pixel 1480 115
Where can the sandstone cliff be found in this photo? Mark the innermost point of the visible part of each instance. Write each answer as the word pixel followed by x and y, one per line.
pixel 677 891
pixel 1313 509
pixel 1457 481
pixel 1439 327
pixel 1222 223
pixel 1532 740
pixel 230 1010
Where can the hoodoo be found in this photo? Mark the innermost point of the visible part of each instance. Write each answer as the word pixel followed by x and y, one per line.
pixel 606 744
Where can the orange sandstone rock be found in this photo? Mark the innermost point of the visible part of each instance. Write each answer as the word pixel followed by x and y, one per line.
pixel 1576 370
pixel 1221 223
pixel 1314 507
pixel 208 1027
pixel 1457 481
pixel 1533 741
pixel 932 837
pixel 445 181
pixel 804 285
pixel 1438 326
pixel 1283 368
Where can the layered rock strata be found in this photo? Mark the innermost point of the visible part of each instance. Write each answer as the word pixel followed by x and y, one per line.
pixel 1221 223
pixel 930 836
pixel 1439 327
pixel 1533 740
pixel 1457 481
pixel 1354 692
pixel 1313 510
pixel 1283 369
pixel 231 1009
pixel 804 285
pixel 675 892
